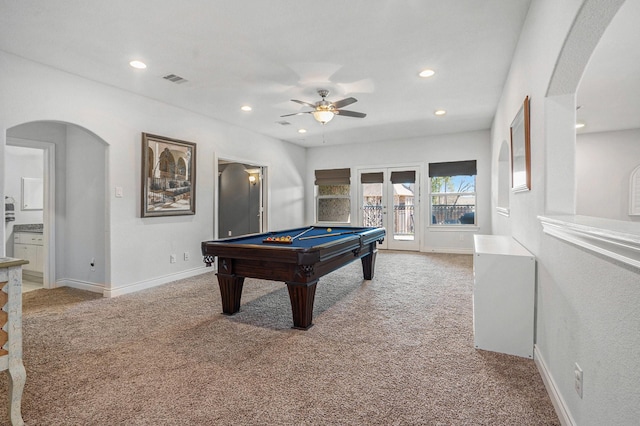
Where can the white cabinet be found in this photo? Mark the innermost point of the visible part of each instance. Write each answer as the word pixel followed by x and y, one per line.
pixel 503 295
pixel 28 246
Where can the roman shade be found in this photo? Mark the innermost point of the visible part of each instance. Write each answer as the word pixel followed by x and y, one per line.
pixel 333 177
pixel 408 176
pixel 371 177
pixel 453 168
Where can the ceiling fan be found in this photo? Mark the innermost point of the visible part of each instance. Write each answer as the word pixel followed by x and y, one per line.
pixel 324 111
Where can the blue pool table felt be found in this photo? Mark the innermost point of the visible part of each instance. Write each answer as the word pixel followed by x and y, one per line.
pixel 301 242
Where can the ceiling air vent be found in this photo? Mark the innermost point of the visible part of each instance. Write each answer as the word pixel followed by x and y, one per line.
pixel 174 78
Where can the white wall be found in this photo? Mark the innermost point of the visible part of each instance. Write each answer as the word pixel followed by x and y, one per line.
pixel 604 163
pixel 20 162
pixel 139 248
pixel 421 152
pixel 587 305
pixel 86 216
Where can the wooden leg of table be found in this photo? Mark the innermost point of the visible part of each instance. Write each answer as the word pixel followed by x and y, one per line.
pixel 231 292
pixel 17 378
pixel 302 297
pixel 368 265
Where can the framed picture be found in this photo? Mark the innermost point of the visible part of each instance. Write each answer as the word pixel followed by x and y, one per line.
pixel 521 150
pixel 168 176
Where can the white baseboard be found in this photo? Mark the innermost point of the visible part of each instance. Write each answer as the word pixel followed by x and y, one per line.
pixel 556 399
pixel 142 285
pixel 82 285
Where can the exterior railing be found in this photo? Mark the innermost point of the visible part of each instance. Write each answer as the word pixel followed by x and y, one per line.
pixel 403 219
pixel 403 216
pixel 447 214
pixel 403 223
pixel 372 216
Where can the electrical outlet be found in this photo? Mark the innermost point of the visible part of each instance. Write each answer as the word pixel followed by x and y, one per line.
pixel 172 258
pixel 578 379
pixel 186 256
pixel 93 264
pixel 229 233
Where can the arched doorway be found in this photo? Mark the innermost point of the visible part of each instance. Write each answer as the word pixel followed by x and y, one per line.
pixel 73 220
pixel 591 22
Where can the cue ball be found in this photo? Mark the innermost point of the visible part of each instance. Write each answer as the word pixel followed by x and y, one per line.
pixel 328 229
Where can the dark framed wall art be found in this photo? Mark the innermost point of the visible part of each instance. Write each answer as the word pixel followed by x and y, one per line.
pixel 168 176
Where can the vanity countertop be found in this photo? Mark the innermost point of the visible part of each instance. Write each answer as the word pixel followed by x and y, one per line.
pixel 36 228
pixel 7 262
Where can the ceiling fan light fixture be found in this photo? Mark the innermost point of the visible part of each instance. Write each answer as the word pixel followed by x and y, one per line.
pixel 323 116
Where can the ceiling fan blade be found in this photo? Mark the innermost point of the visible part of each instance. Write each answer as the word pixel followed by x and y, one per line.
pixel 347 113
pixel 297 113
pixel 304 103
pixel 344 102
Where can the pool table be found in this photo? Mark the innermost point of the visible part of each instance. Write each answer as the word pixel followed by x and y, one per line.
pixel 313 252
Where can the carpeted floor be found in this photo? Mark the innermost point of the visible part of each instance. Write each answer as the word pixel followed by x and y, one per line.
pixel 396 350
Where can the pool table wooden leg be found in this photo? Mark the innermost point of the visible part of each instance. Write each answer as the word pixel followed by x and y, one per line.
pixel 231 292
pixel 368 265
pixel 302 296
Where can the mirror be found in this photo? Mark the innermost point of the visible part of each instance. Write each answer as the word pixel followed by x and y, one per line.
pixel 521 150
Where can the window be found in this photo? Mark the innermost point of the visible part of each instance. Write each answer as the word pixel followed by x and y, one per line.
pixel 333 195
pixel 453 193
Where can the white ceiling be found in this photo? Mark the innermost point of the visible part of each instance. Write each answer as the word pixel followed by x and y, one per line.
pixel 265 53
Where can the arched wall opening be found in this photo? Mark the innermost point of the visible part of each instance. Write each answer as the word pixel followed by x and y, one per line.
pixel 590 24
pixel 608 109
pixel 76 210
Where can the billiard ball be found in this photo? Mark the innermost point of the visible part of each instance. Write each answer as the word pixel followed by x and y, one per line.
pixel 328 229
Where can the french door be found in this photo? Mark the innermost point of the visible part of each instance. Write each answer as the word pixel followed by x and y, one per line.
pixel 390 197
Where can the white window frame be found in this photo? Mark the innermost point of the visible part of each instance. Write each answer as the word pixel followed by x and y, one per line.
pixel 453 194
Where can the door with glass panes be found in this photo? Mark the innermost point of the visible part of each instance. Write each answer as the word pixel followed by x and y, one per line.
pixel 389 197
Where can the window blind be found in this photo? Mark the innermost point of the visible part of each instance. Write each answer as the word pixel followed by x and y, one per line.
pixel 453 168
pixel 333 177
pixel 371 177
pixel 403 177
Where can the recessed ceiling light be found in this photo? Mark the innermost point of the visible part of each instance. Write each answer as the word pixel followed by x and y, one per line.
pixel 246 108
pixel 440 112
pixel 579 125
pixel 138 64
pixel 302 130
pixel 427 73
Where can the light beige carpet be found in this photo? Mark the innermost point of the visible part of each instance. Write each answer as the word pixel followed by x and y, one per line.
pixel 397 350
